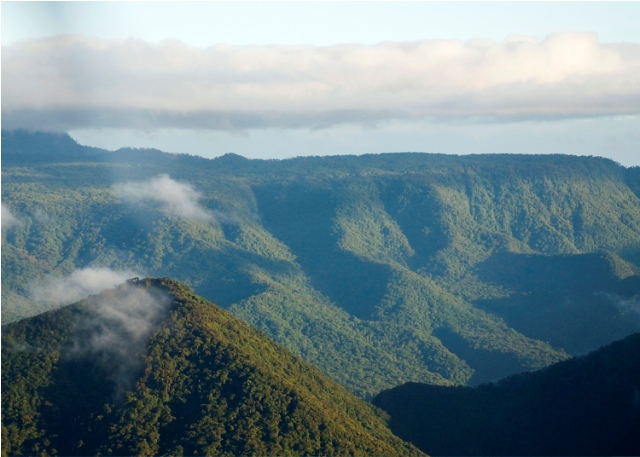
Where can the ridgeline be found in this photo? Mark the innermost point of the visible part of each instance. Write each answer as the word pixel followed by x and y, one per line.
pixel 378 269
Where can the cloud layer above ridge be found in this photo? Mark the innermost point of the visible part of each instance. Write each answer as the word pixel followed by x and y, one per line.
pixel 75 82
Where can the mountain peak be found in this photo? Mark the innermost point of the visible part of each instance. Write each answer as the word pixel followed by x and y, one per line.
pixel 232 157
pixel 200 382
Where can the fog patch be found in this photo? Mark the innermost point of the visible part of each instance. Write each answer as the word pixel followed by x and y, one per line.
pixel 42 216
pixel 115 331
pixel 55 291
pixel 174 198
pixel 626 306
pixel 8 219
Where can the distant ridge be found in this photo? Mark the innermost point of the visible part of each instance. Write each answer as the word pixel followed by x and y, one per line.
pixel 22 145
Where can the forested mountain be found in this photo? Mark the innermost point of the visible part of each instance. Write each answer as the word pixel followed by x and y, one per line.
pixel 149 368
pixel 584 406
pixel 379 269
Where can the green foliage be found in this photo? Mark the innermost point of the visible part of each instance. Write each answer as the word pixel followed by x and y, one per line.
pixel 379 269
pixel 555 298
pixel 208 384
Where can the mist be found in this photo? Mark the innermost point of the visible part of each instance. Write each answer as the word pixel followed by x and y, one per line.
pixel 115 331
pixel 7 217
pixel 54 291
pixel 173 198
pixel 628 306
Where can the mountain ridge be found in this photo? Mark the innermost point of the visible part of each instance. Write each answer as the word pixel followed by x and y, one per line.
pixel 379 269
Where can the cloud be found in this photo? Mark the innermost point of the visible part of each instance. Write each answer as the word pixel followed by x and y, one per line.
pixel 74 82
pixel 55 291
pixel 8 219
pixel 114 331
pixel 175 198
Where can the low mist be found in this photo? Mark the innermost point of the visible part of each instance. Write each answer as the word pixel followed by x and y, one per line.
pixel 116 330
pixel 54 291
pixel 7 217
pixel 627 306
pixel 175 199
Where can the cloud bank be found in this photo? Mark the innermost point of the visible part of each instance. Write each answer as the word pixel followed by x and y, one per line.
pixel 55 291
pixel 175 199
pixel 75 82
pixel 7 218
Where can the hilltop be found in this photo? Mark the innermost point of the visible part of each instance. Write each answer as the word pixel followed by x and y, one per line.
pixel 149 368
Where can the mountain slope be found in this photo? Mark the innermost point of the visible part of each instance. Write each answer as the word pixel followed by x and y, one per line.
pixel 151 369
pixel 583 406
pixel 555 298
pixel 379 269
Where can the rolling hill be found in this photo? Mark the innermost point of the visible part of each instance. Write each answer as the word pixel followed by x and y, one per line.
pixel 149 368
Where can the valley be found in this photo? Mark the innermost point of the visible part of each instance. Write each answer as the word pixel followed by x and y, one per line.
pixel 333 278
pixel 378 269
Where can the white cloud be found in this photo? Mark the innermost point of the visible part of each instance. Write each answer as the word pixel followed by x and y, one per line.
pixel 8 219
pixel 175 198
pixel 56 291
pixel 76 82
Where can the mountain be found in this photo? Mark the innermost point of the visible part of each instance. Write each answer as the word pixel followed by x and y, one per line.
pixel 379 269
pixel 588 405
pixel 149 368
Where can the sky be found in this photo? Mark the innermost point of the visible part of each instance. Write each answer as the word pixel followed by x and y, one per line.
pixel 286 79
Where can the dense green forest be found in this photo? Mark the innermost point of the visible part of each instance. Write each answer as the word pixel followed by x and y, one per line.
pixel 588 405
pixel 379 269
pixel 149 368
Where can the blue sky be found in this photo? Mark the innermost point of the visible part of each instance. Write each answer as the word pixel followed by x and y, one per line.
pixel 320 23
pixel 452 77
